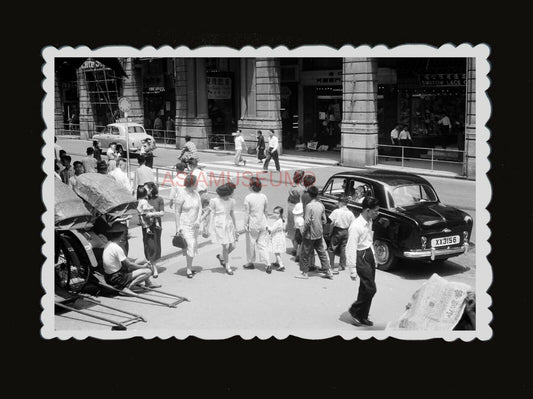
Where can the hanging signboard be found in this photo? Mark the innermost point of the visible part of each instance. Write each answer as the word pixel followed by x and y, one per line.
pixel 321 78
pixel 443 79
pixel 218 88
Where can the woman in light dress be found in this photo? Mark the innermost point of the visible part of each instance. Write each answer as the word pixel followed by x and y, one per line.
pixel 188 214
pixel 222 222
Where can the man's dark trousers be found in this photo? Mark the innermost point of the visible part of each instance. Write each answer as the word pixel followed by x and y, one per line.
pixel 275 156
pixel 366 270
pixel 307 255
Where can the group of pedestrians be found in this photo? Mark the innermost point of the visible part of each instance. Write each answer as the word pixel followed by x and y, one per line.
pixel 263 150
pixel 303 223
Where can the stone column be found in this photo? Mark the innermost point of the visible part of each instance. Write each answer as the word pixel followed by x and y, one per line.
pixel 132 89
pixel 359 127
pixel 191 102
pixel 58 110
pixel 260 96
pixel 470 123
pixel 87 121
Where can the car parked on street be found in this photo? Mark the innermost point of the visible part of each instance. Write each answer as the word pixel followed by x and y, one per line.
pixel 412 222
pixel 116 132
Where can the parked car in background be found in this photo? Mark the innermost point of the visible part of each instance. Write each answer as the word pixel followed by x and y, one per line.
pixel 412 222
pixel 116 132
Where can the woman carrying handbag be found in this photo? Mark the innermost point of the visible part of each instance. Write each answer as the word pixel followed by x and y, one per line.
pixel 188 216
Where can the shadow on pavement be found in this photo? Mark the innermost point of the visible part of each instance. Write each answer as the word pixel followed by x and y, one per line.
pixel 183 271
pixel 415 270
pixel 346 318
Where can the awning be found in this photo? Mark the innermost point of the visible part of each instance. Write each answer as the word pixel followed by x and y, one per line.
pixel 62 63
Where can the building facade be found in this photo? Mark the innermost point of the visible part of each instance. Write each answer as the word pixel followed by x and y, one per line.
pixel 347 106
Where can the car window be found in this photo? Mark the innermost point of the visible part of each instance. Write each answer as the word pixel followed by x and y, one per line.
pixel 335 187
pixel 107 130
pixel 413 194
pixel 115 130
pixel 358 190
pixel 135 129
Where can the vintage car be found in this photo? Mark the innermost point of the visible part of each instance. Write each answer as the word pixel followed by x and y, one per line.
pixel 412 222
pixel 116 132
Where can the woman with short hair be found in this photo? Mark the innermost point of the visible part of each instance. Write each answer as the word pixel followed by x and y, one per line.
pixel 255 224
pixel 152 242
pixel 188 216
pixel 222 222
pixel 295 193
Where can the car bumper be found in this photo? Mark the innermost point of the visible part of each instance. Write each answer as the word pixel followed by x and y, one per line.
pixel 436 252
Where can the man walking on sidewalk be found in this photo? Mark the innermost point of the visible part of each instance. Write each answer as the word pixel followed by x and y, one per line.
pixel 272 152
pixel 361 261
pixel 239 144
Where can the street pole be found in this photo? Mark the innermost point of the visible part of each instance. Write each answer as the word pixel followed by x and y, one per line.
pixel 127 148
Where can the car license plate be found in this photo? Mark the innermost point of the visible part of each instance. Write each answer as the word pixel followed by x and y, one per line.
pixel 445 241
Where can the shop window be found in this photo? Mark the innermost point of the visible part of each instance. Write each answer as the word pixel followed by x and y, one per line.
pixel 317 64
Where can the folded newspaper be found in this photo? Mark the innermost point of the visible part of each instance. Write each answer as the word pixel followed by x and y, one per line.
pixel 437 305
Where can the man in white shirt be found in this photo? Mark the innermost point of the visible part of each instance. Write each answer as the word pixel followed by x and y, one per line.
pixel 89 161
pixel 239 144
pixel 201 178
pixel 341 219
pixel 272 152
pixel 120 271
pixel 394 134
pixel 445 128
pixel 78 170
pixel 143 174
pixel 361 261
pixel 121 176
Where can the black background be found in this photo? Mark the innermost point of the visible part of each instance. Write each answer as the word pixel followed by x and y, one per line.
pixel 174 367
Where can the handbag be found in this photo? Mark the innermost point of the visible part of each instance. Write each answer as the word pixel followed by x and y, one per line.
pixel 179 241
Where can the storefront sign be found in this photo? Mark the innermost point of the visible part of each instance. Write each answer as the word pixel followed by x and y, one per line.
pixel 155 89
pixel 443 79
pixel 322 78
pixel 90 64
pixel 218 88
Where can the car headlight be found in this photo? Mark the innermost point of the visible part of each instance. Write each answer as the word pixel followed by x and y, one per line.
pixel 423 242
pixel 468 219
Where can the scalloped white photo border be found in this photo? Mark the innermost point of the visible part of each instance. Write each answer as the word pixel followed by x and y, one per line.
pixel 483 188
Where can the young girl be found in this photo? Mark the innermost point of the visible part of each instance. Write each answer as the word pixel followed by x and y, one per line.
pixel 298 213
pixel 143 207
pixel 277 237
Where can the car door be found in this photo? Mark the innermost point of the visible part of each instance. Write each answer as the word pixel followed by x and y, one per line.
pixel 104 138
pixel 331 193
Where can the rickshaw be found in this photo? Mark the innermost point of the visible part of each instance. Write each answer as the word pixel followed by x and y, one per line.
pixel 83 214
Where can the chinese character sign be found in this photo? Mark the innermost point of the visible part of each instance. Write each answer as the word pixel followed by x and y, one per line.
pixel 218 88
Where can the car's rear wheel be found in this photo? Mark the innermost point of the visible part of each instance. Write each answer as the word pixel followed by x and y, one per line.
pixel 384 255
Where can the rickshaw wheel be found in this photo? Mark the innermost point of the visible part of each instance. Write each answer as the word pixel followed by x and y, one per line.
pixel 72 265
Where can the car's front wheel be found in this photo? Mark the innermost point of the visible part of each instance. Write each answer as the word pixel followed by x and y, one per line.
pixel 384 255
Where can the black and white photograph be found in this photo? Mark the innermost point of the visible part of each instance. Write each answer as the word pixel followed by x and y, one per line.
pixel 266 192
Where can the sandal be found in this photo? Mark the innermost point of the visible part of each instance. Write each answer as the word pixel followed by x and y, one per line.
pixel 190 274
pixel 229 271
pixel 269 269
pixel 281 269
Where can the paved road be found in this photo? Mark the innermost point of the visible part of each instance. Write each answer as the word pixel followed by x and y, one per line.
pixel 255 303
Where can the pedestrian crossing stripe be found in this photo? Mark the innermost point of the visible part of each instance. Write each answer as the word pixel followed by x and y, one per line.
pixel 283 165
